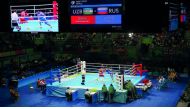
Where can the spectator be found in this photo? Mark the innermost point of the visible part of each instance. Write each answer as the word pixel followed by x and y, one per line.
pixel 88 96
pixel 68 94
pixel 3 82
pixel 14 94
pixel 38 83
pixel 42 85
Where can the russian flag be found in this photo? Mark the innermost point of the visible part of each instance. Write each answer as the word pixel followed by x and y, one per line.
pixel 102 10
pixel 183 18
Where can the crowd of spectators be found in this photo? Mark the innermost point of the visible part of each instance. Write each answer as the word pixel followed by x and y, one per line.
pixel 30 68
pixel 84 41
pixel 173 39
pixel 25 69
pixel 36 66
pixel 165 39
pixel 185 98
pixel 12 41
pixel 9 42
pixel 79 40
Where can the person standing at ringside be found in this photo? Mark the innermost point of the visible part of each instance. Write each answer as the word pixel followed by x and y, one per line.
pixel 105 92
pixel 59 77
pixel 83 79
pixel 15 20
pixel 68 94
pixel 88 96
pixel 83 71
pixel 111 93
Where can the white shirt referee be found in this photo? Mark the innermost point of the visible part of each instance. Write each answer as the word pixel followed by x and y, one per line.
pixel 15 20
pixel 14 17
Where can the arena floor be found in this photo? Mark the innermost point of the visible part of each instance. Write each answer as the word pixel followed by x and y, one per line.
pixel 153 98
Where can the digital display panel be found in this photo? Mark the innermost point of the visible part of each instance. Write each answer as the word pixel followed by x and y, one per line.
pixel 96 14
pixel 183 13
pixel 173 15
pixel 34 17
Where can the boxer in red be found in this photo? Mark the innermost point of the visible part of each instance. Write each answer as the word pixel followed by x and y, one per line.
pixel 23 14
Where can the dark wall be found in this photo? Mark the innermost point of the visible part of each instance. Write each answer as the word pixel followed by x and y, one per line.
pixel 145 15
pixel 4 17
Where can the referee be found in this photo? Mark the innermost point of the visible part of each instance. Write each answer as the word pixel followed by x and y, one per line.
pixel 15 19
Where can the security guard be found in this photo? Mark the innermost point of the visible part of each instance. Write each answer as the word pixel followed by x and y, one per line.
pixel 68 94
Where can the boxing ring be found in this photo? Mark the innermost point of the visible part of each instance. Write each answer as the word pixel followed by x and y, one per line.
pixel 28 20
pixel 72 77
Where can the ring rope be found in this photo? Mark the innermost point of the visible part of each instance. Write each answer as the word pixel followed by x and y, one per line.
pixel 32 5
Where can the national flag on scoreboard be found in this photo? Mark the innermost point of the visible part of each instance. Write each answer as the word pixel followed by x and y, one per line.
pixel 102 10
pixel 182 18
pixel 88 11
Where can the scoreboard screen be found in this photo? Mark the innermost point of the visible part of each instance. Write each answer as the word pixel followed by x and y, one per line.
pixel 183 13
pixel 96 14
pixel 34 17
pixel 173 15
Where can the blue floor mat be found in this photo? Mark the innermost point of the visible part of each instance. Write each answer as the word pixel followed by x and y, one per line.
pixel 153 98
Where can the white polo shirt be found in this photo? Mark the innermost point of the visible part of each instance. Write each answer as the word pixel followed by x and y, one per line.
pixel 14 16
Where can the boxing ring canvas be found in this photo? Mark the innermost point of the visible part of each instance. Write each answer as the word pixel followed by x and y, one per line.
pixel 92 81
pixel 33 25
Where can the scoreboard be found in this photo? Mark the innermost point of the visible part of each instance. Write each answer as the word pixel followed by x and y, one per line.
pixel 173 15
pixel 183 13
pixel 96 14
